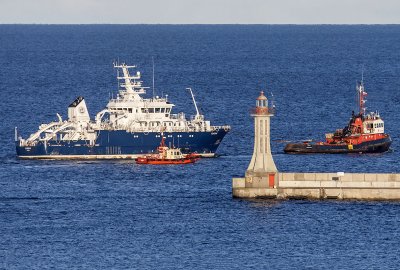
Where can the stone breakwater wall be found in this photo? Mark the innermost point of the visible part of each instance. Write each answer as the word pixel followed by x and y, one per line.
pixel 351 186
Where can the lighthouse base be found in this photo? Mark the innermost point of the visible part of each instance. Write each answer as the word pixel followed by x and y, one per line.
pixel 260 179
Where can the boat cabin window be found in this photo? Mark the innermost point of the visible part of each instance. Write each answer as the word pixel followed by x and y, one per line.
pixel 157 110
pixel 130 110
pixel 151 110
pixel 167 110
pixel 162 110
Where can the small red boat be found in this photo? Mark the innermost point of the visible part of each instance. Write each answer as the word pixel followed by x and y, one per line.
pixel 166 155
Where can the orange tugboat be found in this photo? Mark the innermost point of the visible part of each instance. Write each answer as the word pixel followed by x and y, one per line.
pixel 363 134
pixel 166 155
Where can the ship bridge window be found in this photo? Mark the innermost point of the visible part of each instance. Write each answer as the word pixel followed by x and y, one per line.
pixel 157 110
pixel 130 110
pixel 151 110
pixel 167 110
pixel 162 110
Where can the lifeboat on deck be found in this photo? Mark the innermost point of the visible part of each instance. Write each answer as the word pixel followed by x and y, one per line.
pixel 365 133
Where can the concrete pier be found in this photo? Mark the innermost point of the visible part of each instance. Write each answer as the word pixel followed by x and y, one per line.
pixel 262 180
pixel 342 186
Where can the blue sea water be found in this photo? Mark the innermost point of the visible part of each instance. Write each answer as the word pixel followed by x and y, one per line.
pixel 118 215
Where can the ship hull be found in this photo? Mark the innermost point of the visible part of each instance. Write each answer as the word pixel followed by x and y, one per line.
pixel 146 161
pixel 377 146
pixel 119 144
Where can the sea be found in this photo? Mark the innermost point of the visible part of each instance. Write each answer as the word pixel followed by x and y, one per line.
pixel 119 215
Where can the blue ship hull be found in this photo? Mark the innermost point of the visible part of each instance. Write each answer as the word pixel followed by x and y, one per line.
pixel 122 144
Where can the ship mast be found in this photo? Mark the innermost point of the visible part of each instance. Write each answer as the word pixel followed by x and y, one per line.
pixel 131 83
pixel 361 97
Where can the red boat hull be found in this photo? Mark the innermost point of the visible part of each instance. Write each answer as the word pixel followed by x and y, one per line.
pixel 144 160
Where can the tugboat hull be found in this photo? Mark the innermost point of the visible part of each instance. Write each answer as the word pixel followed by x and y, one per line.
pixel 165 161
pixel 378 146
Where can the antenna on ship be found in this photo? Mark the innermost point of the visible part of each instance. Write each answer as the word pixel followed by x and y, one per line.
pixel 362 74
pixel 361 93
pixel 117 79
pixel 152 58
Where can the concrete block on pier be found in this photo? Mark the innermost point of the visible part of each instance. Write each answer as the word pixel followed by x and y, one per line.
pixel 238 183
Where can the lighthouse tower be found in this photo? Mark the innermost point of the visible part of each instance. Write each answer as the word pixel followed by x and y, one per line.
pixel 262 170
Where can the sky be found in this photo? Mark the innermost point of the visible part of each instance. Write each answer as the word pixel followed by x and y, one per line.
pixel 200 11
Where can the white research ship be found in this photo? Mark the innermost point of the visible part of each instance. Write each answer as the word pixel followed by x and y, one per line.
pixel 128 127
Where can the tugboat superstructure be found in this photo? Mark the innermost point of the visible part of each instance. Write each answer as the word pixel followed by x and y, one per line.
pixel 365 133
pixel 128 127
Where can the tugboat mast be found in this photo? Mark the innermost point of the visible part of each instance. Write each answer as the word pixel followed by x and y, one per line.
pixel 361 95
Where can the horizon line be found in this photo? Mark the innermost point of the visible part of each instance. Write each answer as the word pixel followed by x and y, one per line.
pixel 286 24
